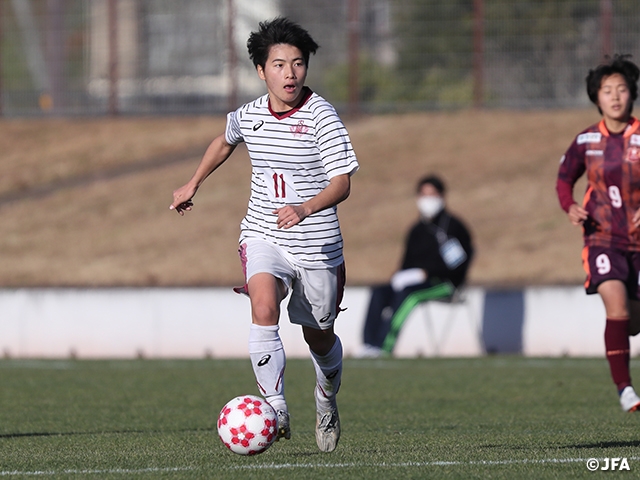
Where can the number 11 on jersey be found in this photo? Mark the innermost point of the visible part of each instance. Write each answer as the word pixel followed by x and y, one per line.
pixel 279 186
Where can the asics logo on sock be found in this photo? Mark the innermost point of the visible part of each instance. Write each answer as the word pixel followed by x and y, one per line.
pixel 264 360
pixel 325 318
pixel 258 125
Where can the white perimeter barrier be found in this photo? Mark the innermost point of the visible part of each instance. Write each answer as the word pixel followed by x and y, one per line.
pixel 214 322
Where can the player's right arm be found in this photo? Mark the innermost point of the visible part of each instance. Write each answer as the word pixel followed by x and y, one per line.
pixel 215 155
pixel 572 167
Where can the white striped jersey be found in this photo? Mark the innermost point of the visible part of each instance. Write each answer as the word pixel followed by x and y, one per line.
pixel 293 157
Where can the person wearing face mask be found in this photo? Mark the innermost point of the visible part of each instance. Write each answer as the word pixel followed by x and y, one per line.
pixel 438 253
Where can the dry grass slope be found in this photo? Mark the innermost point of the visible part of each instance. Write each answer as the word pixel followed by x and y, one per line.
pixel 84 202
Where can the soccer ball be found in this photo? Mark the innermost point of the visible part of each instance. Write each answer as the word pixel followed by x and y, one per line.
pixel 247 425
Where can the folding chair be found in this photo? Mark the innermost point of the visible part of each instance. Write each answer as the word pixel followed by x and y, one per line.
pixel 438 341
pixel 440 291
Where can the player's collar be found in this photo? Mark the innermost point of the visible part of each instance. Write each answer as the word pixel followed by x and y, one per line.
pixel 631 128
pixel 306 93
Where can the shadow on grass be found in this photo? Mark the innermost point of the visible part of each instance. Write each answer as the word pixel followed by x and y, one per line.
pixel 586 446
pixel 634 443
pixel 104 432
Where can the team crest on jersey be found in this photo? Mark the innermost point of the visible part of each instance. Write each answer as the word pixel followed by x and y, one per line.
pixel 299 129
pixel 635 140
pixel 590 137
pixel 632 155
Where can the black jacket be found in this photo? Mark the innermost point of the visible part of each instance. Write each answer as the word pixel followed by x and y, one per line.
pixel 422 249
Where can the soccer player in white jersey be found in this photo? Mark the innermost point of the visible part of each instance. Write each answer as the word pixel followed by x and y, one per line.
pixel 290 239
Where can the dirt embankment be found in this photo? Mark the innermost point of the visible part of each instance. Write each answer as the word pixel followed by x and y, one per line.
pixel 85 202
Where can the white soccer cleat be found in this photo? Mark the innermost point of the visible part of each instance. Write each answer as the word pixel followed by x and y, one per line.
pixel 629 401
pixel 284 430
pixel 327 427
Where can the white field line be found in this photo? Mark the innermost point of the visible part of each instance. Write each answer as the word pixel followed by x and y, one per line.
pixel 276 466
pixel 291 466
pixel 123 471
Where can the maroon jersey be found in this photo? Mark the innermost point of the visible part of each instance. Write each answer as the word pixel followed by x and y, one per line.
pixel 612 164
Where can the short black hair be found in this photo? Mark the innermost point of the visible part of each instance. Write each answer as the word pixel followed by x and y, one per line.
pixel 280 30
pixel 434 180
pixel 618 64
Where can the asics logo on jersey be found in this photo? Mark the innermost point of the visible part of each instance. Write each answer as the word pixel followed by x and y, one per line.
pixel 264 360
pixel 258 125
pixel 325 318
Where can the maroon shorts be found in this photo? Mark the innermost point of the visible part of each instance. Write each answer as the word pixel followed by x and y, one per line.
pixel 602 263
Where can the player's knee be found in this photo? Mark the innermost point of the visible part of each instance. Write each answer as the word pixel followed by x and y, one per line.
pixel 319 341
pixel 265 314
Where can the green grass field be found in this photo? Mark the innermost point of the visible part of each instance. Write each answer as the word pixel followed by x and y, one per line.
pixel 495 417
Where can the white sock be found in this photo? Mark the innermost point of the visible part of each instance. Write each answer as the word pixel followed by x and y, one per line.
pixel 268 361
pixel 328 374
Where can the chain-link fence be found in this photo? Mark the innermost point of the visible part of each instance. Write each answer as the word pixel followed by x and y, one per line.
pixel 67 57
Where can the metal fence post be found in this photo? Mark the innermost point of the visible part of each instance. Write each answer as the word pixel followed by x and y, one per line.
pixel 1 60
pixel 55 53
pixel 606 14
pixel 478 53
pixel 233 57
pixel 112 31
pixel 354 54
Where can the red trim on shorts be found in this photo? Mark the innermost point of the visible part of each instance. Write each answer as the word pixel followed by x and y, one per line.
pixel 242 252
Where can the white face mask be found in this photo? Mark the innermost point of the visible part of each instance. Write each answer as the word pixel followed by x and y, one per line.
pixel 430 206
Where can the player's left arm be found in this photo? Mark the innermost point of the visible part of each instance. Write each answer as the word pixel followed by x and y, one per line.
pixel 337 191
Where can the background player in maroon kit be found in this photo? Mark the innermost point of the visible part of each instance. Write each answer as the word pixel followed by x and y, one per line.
pixel 609 153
